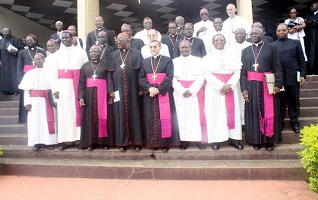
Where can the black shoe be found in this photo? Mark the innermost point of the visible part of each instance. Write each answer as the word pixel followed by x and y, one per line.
pixel 137 148
pixel 296 129
pixel 183 147
pixel 269 146
pixel 63 146
pixel 91 148
pixel 122 149
pixel 165 149
pixel 106 147
pixel 257 146
pixel 215 146
pixel 237 145
pixel 37 147
pixel 49 147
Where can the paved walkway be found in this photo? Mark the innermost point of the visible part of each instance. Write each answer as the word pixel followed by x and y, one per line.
pixel 12 187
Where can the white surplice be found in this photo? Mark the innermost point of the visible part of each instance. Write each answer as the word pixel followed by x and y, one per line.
pixel 221 62
pixel 231 24
pixel 38 131
pixel 188 69
pixel 68 58
pixel 206 35
pixel 143 35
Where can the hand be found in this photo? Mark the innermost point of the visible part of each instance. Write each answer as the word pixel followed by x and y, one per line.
pixel 13 51
pixel 28 107
pixel 112 95
pixel 81 102
pixel 140 93
pixel 302 81
pixel 225 89
pixel 187 94
pixel 202 29
pixel 153 91
pixel 57 95
pixel 245 96
pixel 292 30
pixel 276 90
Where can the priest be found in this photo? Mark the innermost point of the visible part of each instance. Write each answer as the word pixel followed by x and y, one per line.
pixel 105 47
pixel 155 79
pixel 96 127
pixel 124 66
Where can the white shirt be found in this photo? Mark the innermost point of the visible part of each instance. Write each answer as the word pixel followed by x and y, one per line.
pixel 143 35
pixel 145 51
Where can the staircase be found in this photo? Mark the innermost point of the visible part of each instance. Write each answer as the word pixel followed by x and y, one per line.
pixel 225 164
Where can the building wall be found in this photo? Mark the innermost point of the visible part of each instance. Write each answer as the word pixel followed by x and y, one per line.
pixel 21 26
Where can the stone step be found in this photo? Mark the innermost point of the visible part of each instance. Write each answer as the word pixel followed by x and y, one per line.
pixel 9 98
pixel 9 111
pixel 308 101
pixel 310 78
pixel 9 119
pixel 156 169
pixel 306 112
pixel 281 152
pixel 310 85
pixel 309 92
pixel 13 128
pixel 289 137
pixel 9 104
pixel 304 121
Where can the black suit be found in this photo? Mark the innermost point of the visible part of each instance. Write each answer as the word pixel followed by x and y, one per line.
pixel 92 38
pixel 292 60
pixel 170 41
pixel 56 37
pixel 197 48
pixel 311 43
pixel 136 43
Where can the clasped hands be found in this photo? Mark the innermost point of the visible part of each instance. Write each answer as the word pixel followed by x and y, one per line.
pixel 225 89
pixel 153 91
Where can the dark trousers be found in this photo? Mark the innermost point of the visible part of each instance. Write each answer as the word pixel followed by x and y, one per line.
pixel 290 98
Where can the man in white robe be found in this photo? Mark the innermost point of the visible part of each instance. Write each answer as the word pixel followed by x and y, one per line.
pixel 36 84
pixel 153 35
pixel 143 35
pixel 187 82
pixel 234 22
pixel 222 102
pixel 66 64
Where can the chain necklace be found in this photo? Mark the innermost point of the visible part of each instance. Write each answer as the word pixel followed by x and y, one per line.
pixel 123 60
pixel 154 70
pixel 94 70
pixel 32 58
pixel 256 57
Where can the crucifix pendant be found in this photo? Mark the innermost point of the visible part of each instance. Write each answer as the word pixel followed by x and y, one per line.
pixel 96 42
pixel 255 66
pixel 33 63
pixel 154 76
pixel 94 76
pixel 122 65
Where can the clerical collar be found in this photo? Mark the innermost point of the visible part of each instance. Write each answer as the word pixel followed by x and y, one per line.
pixel 99 29
pixel 186 38
pixel 95 61
pixel 124 50
pixel 104 45
pixel 315 13
pixel 173 35
pixel 156 56
pixel 256 44
pixel 32 48
pixel 283 39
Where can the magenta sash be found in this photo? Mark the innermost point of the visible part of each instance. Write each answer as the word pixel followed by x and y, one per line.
pixel 49 108
pixel 27 68
pixel 164 106
pixel 229 100
pixel 200 96
pixel 75 75
pixel 266 122
pixel 101 85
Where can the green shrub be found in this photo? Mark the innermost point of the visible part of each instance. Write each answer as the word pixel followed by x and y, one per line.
pixel 309 156
pixel 0 152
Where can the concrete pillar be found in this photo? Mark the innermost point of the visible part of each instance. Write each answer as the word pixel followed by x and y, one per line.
pixel 87 10
pixel 244 9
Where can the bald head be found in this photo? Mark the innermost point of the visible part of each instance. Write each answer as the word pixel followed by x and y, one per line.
pixel 231 10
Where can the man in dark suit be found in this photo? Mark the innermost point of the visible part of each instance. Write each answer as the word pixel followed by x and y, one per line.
pixel 292 62
pixel 311 40
pixel 92 37
pixel 171 39
pixel 59 29
pixel 134 43
pixel 197 45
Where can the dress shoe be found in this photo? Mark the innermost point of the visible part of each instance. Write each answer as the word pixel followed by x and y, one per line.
pixel 49 147
pixel 63 146
pixel 122 149
pixel 269 146
pixel 165 149
pixel 237 145
pixel 183 147
pixel 137 148
pixel 106 147
pixel 37 147
pixel 257 146
pixel 201 146
pixel 91 148
pixel 215 146
pixel 296 129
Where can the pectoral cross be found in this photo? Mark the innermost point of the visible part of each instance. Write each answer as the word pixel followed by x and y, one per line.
pixel 96 42
pixel 154 76
pixel 255 66
pixel 122 65
pixel 94 76
pixel 33 63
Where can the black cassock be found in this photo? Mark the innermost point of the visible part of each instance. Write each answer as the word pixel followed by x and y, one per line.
pixel 25 57
pixel 127 117
pixel 8 69
pixel 170 41
pixel 106 51
pixel 197 48
pixel 89 121
pixel 92 38
pixel 136 43
pixel 152 123
pixel 311 43
pixel 268 62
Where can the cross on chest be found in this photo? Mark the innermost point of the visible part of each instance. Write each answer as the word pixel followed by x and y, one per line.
pixel 94 76
pixel 154 76
pixel 255 66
